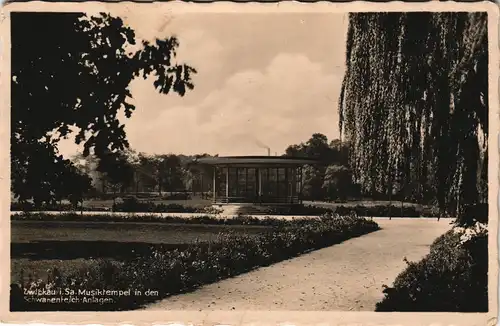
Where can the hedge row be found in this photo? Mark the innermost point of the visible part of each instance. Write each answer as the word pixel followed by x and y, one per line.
pixel 453 277
pixel 360 210
pixel 203 219
pixel 172 272
pixel 127 206
pixel 135 206
pixel 387 211
pixel 30 207
pixel 298 210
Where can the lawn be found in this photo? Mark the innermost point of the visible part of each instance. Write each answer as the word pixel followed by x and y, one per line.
pixel 195 202
pixel 165 258
pixel 37 246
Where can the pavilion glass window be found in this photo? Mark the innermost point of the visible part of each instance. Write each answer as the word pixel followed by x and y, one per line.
pixel 241 182
pixel 233 182
pixel 273 182
pixel 282 186
pixel 221 182
pixel 251 182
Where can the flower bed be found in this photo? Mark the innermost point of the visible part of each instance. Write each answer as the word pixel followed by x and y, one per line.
pixel 453 277
pixel 298 210
pixel 30 207
pixel 126 217
pixel 129 205
pixel 134 205
pixel 386 211
pixel 167 272
pixel 360 210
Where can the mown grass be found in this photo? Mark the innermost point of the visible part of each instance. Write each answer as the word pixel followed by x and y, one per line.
pixel 36 246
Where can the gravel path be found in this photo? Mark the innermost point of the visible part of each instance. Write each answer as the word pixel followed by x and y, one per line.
pixel 346 276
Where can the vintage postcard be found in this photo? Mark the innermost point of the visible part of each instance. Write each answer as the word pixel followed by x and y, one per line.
pixel 242 164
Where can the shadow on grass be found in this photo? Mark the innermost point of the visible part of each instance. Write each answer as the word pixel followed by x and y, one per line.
pixel 66 250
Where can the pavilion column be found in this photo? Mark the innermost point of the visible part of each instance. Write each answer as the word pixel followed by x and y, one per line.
pixel 287 186
pixel 300 185
pixel 246 182
pixel 214 185
pixel 227 184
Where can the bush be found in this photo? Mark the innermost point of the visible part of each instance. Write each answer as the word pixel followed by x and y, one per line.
pixel 453 277
pixel 133 205
pixel 473 214
pixel 30 207
pixel 177 196
pixel 386 210
pixel 200 219
pixel 174 271
pixel 298 210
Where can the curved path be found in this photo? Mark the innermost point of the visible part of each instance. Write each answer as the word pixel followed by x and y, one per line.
pixel 346 276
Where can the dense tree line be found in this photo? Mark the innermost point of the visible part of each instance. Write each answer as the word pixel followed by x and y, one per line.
pixel 330 179
pixel 168 173
pixel 414 106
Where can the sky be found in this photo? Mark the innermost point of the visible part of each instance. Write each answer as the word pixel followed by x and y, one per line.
pixel 263 79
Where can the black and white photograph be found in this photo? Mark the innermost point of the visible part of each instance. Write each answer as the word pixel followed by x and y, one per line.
pixel 251 161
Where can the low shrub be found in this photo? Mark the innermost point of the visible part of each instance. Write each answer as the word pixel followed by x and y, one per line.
pixel 133 205
pixel 298 210
pixel 472 214
pixel 30 207
pixel 360 210
pixel 212 219
pixel 386 211
pixel 210 210
pixel 167 272
pixel 453 277
pixel 177 196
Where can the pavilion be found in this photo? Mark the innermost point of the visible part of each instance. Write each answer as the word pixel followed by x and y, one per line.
pixel 261 180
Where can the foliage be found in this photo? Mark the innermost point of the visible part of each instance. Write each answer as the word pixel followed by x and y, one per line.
pixel 473 214
pixel 208 219
pixel 117 170
pixel 312 181
pixel 174 271
pixel 296 210
pixel 177 196
pixel 387 211
pixel 70 78
pixel 132 204
pixel 414 105
pixel 317 147
pixel 453 277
